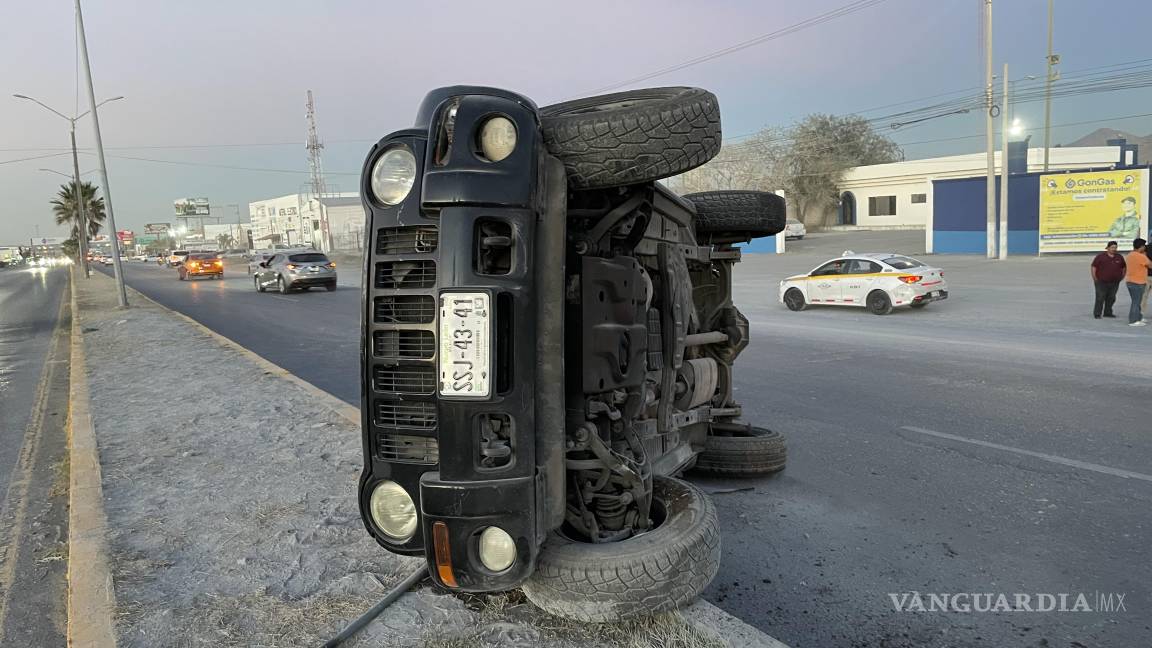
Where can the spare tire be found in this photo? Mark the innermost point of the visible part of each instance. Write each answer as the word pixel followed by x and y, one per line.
pixel 632 137
pixel 738 450
pixel 657 571
pixel 749 214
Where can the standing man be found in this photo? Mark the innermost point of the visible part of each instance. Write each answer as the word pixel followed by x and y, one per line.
pixel 1137 279
pixel 1108 270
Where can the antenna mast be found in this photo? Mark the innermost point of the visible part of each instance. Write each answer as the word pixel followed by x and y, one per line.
pixel 316 166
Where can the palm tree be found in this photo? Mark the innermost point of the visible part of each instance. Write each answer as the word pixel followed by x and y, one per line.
pixel 64 207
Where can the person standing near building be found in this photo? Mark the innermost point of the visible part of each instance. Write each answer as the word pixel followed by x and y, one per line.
pixel 1108 270
pixel 1137 280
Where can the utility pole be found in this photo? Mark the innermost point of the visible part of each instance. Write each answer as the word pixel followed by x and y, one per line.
pixel 1004 170
pixel 1053 59
pixel 81 209
pixel 316 165
pixel 116 265
pixel 989 131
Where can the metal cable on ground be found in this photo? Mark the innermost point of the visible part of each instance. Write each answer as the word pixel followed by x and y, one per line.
pixel 367 617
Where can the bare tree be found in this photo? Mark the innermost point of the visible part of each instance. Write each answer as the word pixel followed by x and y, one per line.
pixel 754 163
pixel 822 148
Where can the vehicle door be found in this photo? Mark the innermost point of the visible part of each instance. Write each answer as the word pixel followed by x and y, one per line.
pixel 824 283
pixel 268 270
pixel 859 278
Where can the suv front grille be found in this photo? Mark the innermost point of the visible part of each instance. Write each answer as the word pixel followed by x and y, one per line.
pixel 403 345
pixel 405 447
pixel 407 240
pixel 405 309
pixel 406 274
pixel 409 414
pixel 415 379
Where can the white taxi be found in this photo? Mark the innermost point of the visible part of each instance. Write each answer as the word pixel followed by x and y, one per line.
pixel 876 281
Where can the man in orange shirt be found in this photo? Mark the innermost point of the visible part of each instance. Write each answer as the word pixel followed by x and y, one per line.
pixel 1137 279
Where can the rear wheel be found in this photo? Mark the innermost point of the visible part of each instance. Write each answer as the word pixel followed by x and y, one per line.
pixel 330 287
pixel 282 286
pixel 794 299
pixel 879 303
pixel 742 451
pixel 656 571
pixel 742 214
pixel 632 137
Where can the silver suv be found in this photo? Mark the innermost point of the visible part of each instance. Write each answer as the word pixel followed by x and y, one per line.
pixel 288 271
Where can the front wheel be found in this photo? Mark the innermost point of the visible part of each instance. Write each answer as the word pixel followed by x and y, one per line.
pixel 879 303
pixel 256 282
pixel 794 300
pixel 657 571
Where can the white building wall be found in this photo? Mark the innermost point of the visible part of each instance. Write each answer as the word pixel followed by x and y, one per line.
pixel 903 179
pixel 346 226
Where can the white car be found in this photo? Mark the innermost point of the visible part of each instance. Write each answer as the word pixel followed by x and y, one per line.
pixel 794 229
pixel 876 281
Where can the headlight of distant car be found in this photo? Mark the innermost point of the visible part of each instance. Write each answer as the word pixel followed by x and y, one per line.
pixel 393 175
pixel 497 138
pixel 393 510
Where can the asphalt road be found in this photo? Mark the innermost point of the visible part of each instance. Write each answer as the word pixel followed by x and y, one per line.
pixel 313 334
pixel 994 443
pixel 34 374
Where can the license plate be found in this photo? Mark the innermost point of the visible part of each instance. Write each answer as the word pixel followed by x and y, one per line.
pixel 465 347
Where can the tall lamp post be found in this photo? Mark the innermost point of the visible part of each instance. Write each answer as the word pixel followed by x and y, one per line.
pixel 121 294
pixel 78 195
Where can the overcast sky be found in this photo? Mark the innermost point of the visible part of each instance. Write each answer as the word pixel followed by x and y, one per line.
pixel 222 83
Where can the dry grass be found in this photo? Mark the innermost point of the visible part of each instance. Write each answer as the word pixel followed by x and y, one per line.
pixel 262 621
pixel 508 619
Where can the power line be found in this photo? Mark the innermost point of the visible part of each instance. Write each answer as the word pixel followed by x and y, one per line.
pixel 220 166
pixel 850 8
pixel 27 159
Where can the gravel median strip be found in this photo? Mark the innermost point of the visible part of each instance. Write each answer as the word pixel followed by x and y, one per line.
pixel 232 516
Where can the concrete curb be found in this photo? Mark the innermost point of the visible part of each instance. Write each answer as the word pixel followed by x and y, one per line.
pixel 701 615
pixel 91 594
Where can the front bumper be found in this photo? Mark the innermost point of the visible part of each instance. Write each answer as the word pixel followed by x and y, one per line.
pixel 468 225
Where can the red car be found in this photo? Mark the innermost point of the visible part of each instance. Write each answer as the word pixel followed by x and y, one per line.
pixel 201 265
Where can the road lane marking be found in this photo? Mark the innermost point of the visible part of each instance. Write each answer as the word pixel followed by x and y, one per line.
pixel 1064 461
pixel 285 298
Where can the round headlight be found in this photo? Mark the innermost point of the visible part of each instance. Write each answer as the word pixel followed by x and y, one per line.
pixel 497 138
pixel 497 549
pixel 393 175
pixel 393 510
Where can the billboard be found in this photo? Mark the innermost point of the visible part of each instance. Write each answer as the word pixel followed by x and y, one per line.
pixel 126 236
pixel 157 228
pixel 191 207
pixel 1081 212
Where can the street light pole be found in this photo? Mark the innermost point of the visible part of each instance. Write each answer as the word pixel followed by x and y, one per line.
pixel 990 135
pixel 80 207
pixel 82 214
pixel 1052 61
pixel 116 265
pixel 1004 171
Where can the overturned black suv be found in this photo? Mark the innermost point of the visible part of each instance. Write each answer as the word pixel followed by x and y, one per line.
pixel 548 342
